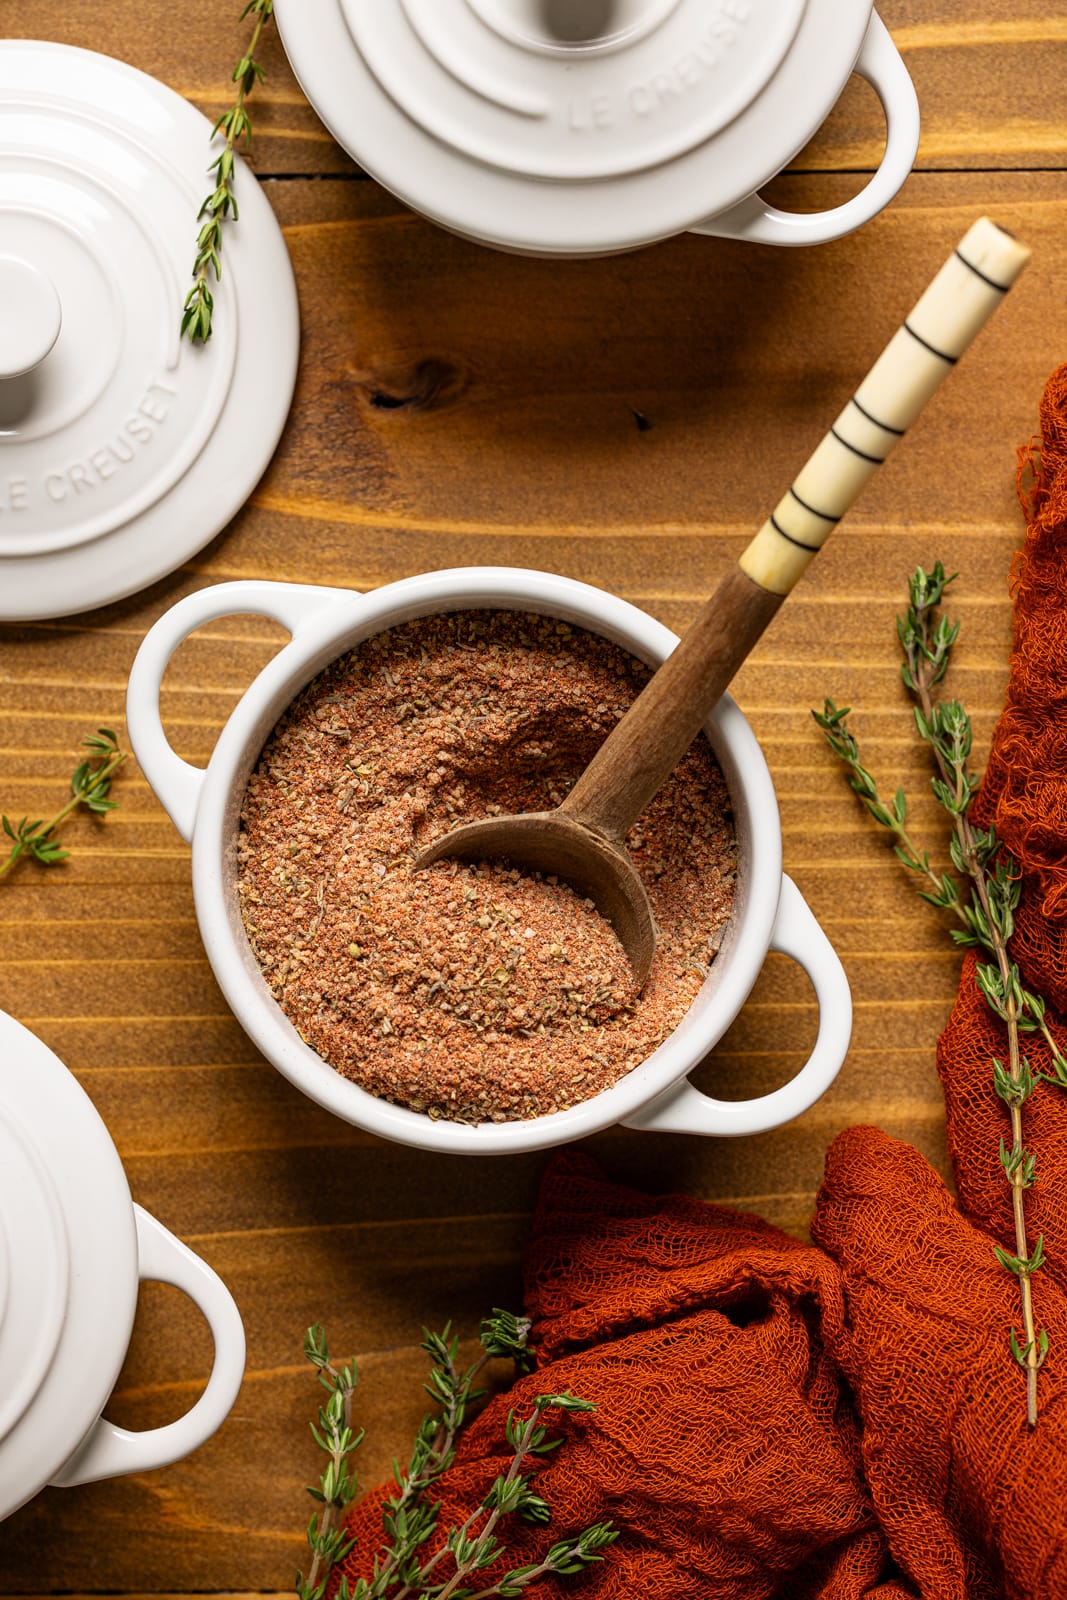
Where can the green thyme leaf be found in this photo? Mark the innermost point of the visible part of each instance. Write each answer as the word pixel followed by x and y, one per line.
pixel 221 204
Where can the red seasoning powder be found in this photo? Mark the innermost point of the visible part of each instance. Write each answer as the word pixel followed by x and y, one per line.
pixel 473 992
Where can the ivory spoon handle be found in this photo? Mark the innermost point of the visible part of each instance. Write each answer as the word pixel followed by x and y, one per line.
pixel 648 743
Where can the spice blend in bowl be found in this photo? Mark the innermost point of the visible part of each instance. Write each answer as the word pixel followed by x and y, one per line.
pixel 470 992
pixel 769 913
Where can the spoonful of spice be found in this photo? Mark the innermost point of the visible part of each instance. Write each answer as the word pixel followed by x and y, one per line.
pixel 582 840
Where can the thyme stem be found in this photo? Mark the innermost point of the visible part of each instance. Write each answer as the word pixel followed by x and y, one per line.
pixel 234 124
pixel 924 679
pixel 337 1485
pixel 89 787
pixel 522 1450
pixel 987 914
pixel 409 1520
pixel 419 1477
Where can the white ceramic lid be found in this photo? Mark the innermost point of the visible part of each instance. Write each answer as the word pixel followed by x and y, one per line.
pixel 68 1264
pixel 572 126
pixel 123 447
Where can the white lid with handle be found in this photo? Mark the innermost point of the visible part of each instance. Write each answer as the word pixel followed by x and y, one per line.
pixel 123 447
pixel 73 1248
pixel 586 126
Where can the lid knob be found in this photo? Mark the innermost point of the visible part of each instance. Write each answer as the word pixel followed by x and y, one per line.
pixel 30 316
pixel 576 21
pixel 563 27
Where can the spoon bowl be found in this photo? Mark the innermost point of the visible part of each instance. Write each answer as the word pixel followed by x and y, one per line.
pixel 555 844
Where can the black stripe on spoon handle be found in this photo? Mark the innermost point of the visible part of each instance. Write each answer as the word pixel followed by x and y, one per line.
pixel 918 358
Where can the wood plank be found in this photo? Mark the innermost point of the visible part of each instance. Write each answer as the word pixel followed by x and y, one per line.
pixel 516 442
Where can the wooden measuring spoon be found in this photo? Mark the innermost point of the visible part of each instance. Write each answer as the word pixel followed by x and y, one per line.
pixel 582 840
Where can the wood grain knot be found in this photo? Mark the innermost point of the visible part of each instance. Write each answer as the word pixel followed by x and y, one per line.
pixel 429 385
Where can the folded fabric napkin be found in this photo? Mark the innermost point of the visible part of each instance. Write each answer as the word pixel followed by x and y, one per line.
pixel 845 1418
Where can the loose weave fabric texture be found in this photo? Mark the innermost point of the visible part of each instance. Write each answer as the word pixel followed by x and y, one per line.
pixel 1024 795
pixel 842 1419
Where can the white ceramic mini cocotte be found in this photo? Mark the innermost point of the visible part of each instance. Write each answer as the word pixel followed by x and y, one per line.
pixel 124 447
pixel 204 805
pixel 73 1248
pixel 582 127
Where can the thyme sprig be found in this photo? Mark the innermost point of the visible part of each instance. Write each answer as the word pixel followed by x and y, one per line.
pixel 405 1570
pixel 234 125
pixel 90 787
pixel 338 1483
pixel 984 904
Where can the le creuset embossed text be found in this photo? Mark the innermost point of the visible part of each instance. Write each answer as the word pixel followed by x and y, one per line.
pixel 769 912
pixel 73 1247
pixel 581 127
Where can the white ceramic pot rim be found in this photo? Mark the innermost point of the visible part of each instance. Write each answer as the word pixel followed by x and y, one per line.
pixel 204 806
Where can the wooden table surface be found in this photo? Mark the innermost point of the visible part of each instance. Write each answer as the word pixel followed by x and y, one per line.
pixel 509 435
